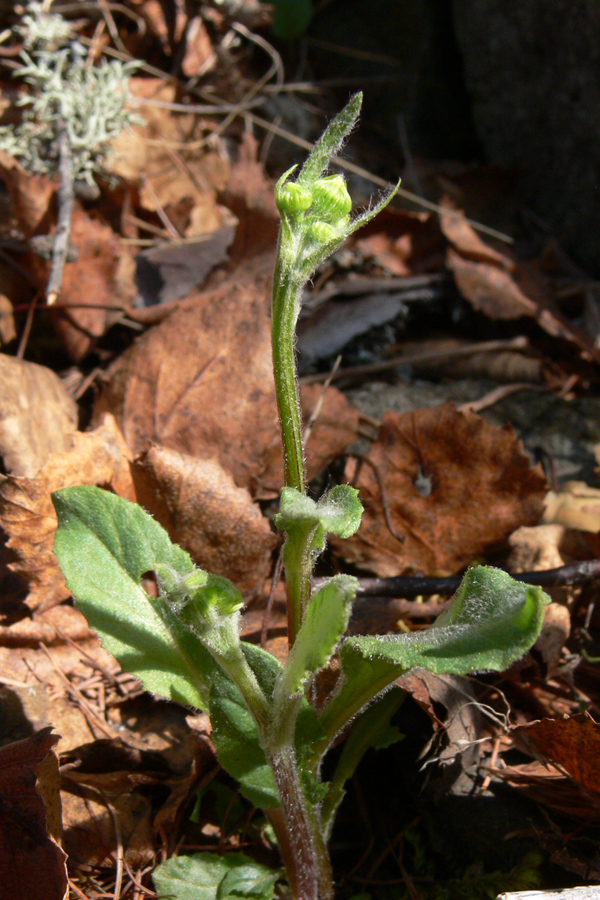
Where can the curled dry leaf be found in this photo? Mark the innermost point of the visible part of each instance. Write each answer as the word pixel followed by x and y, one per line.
pixel 203 511
pixel 37 416
pixel 26 513
pixel 32 864
pixel 439 488
pixel 496 284
pixel 201 383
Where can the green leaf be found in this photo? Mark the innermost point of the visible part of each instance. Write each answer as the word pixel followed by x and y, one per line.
pixel 324 625
pixel 104 546
pixel 490 623
pixel 235 733
pixel 338 512
pixel 330 142
pixel 208 876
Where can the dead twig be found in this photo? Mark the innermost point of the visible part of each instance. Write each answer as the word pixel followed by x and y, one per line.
pixel 66 206
pixel 516 343
pixel 416 586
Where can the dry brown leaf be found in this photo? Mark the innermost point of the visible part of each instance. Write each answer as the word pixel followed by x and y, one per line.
pixel 91 281
pixel 155 155
pixel 403 243
pixel 27 707
pixel 467 242
pixel 26 513
pixel 251 198
pixel 31 195
pixel 31 862
pixel 496 284
pixel 50 627
pixel 90 830
pixel 573 744
pixel 201 383
pixel 37 416
pixel 203 511
pixel 453 486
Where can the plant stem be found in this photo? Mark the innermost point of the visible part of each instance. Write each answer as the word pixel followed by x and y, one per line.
pixel 298 832
pixel 286 304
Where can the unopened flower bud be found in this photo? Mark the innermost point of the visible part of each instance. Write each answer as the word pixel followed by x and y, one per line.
pixel 322 232
pixel 293 199
pixel 331 200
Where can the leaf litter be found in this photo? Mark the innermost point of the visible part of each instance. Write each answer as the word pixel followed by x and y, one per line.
pixel 194 431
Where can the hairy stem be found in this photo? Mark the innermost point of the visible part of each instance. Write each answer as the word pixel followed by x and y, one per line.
pixel 286 304
pixel 298 831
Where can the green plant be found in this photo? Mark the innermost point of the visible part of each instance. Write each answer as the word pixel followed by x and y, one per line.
pixel 184 644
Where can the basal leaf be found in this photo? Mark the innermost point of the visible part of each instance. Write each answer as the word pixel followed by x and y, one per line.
pixel 104 546
pixel 208 876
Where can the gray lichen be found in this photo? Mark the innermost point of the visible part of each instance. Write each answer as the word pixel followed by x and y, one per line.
pixel 88 102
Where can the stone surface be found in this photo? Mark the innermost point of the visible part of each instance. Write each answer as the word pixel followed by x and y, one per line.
pixel 532 70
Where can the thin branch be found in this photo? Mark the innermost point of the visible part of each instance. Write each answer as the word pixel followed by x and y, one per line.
pixel 416 586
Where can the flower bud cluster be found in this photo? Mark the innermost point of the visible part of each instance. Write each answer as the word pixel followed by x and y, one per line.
pixel 321 211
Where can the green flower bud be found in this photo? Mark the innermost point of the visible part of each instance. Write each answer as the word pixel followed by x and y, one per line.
pixel 320 232
pixel 331 200
pixel 293 199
